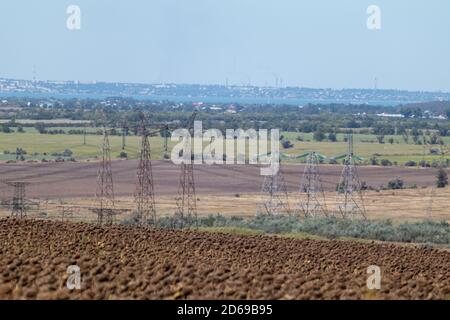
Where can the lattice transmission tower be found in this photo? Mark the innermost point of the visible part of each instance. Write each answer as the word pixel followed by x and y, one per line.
pixel 67 212
pixel 18 203
pixel 350 202
pixel 144 194
pixel 186 201
pixel 312 196
pixel 105 187
pixel 274 195
pixel 125 130
pixel 442 165
pixel 166 144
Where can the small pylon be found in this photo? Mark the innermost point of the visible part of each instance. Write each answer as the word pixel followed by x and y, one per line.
pixel 105 188
pixel 442 164
pixel 274 195
pixel 312 197
pixel 349 194
pixel 67 212
pixel 186 211
pixel 124 134
pixel 166 144
pixel 18 204
pixel 144 194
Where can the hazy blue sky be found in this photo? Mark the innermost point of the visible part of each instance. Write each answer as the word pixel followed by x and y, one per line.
pixel 315 43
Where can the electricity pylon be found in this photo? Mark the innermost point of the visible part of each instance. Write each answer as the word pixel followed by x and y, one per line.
pixel 166 144
pixel 312 197
pixel 124 133
pixel 105 187
pixel 144 194
pixel 274 195
pixel 350 202
pixel 186 211
pixel 442 164
pixel 67 211
pixel 18 204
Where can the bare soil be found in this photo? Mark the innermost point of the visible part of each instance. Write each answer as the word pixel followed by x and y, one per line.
pixel 73 180
pixel 124 263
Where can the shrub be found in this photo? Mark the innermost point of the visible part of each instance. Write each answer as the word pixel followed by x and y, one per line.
pixel 331 227
pixel 395 184
pixel 123 155
pixel 374 161
pixel 380 139
pixel 287 144
pixel 67 153
pixel 410 163
pixel 6 129
pixel 434 151
pixel 319 135
pixel 441 178
pixel 40 128
pixel 332 137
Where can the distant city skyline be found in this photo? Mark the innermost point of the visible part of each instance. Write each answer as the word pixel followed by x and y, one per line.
pixel 213 93
pixel 94 82
pixel 288 43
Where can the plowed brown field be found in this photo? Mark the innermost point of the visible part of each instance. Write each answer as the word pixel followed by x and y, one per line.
pixel 124 263
pixel 78 180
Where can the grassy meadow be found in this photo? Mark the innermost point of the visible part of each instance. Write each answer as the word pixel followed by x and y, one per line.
pixel 42 146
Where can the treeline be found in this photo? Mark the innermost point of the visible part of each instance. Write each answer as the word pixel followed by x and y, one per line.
pixel 331 118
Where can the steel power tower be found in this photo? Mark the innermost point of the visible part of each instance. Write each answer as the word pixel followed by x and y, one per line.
pixel 166 144
pixel 350 202
pixel 105 188
pixel 67 212
pixel 274 195
pixel 18 203
pixel 124 133
pixel 442 164
pixel 312 197
pixel 144 194
pixel 186 211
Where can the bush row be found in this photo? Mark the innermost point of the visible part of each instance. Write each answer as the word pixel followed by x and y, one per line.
pixel 426 231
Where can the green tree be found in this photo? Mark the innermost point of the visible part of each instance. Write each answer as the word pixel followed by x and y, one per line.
pixel 40 127
pixel 380 139
pixel 123 155
pixel 6 129
pixel 319 135
pixel 332 137
pixel 441 178
pixel 287 144
pixel 415 134
pixel 395 184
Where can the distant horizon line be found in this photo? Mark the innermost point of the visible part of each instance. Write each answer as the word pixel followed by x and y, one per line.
pixel 91 82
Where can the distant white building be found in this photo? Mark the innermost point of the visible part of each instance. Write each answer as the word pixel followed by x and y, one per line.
pixel 390 115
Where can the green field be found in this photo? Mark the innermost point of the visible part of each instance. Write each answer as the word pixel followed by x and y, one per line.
pixel 42 146
pixel 366 146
